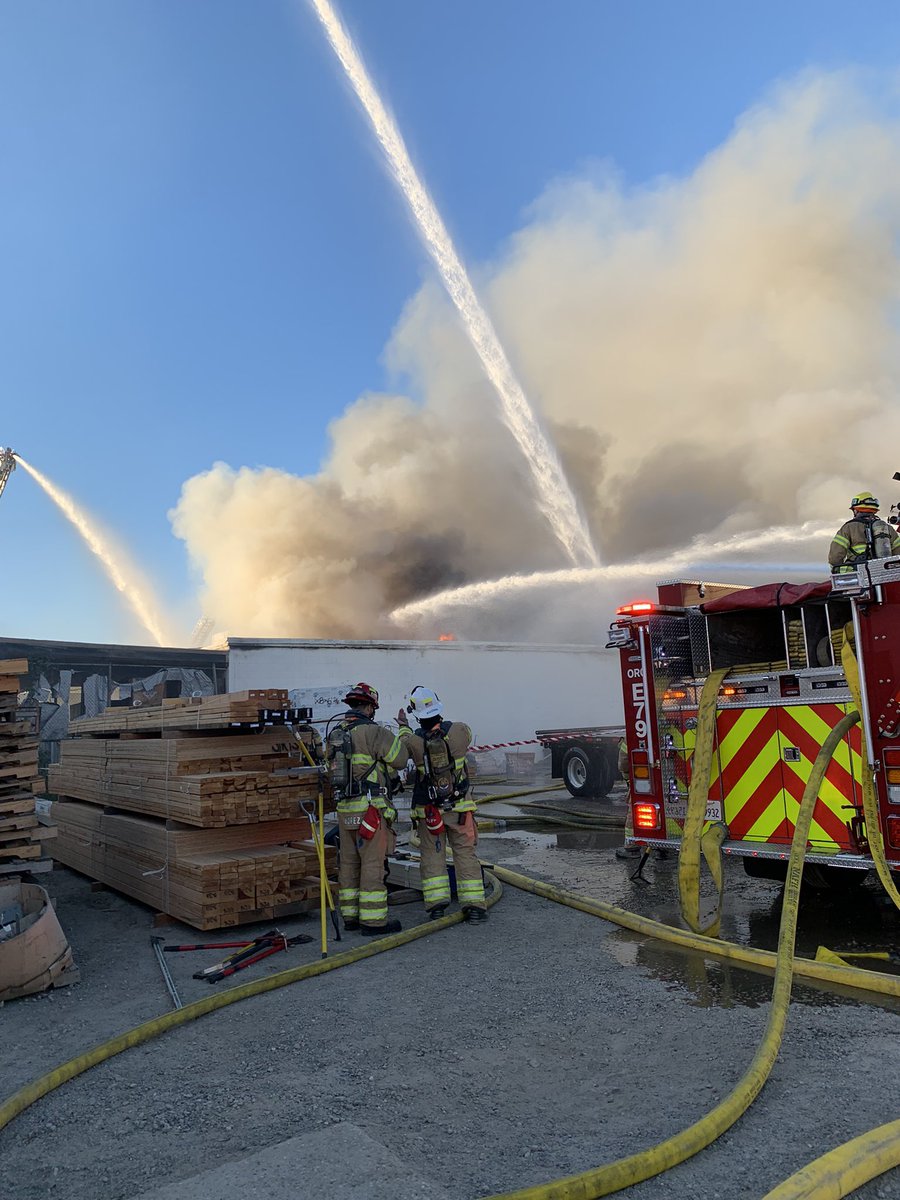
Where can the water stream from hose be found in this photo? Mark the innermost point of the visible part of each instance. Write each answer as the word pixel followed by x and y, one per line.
pixel 690 558
pixel 554 495
pixel 130 588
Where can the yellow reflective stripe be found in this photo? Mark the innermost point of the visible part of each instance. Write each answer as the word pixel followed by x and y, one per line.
pixel 433 889
pixel 376 895
pixel 396 746
pixel 841 540
pixel 362 759
pixel 353 806
pixel 858 547
pixel 348 893
pixel 470 887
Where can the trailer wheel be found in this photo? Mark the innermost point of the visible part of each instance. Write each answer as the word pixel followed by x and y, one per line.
pixel 578 772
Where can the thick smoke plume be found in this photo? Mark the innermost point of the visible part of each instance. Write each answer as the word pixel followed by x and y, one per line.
pixel 713 355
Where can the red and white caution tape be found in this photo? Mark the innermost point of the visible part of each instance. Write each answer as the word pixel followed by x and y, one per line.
pixel 503 745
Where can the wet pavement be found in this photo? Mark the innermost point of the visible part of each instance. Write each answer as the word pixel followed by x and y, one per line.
pixel 850 919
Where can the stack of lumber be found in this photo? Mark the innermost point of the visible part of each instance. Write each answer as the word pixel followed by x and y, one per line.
pixel 21 834
pixel 204 780
pixel 191 808
pixel 209 879
pixel 205 712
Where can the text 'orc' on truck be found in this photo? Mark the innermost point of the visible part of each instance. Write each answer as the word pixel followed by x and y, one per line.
pixel 786 688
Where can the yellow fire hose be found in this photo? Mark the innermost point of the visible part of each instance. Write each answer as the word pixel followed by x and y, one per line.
pixel 625 1172
pixel 28 1095
pixel 879 1148
pixel 849 1166
pixel 842 1170
pixel 553 787
pixel 694 839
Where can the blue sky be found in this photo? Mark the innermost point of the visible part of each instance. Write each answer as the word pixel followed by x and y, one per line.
pixel 203 257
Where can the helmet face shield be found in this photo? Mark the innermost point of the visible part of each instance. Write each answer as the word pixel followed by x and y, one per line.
pixel 423 703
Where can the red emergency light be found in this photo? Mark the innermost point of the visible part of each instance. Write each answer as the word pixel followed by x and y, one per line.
pixel 646 816
pixel 638 608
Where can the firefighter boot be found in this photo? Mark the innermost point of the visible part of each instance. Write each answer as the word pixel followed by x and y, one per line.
pixel 435 914
pixel 380 930
pixel 474 915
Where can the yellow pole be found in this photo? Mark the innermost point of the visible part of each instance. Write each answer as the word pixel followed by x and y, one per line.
pixel 326 900
pixel 324 889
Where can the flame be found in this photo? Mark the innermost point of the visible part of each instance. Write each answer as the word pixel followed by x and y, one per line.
pixel 446 637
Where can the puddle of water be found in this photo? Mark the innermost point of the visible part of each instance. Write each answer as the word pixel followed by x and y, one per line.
pixel 585 862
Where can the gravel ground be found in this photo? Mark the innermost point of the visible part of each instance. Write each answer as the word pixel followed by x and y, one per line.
pixel 490 1057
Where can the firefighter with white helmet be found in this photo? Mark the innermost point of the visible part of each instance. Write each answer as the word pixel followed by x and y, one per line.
pixel 863 537
pixel 442 807
pixel 364 759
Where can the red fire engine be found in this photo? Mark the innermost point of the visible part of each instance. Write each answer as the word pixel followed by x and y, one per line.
pixel 785 690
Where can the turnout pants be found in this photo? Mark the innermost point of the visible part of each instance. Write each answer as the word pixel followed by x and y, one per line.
pixel 462 839
pixel 362 894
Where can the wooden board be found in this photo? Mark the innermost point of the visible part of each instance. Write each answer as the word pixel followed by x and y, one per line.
pixel 13 666
pixel 208 712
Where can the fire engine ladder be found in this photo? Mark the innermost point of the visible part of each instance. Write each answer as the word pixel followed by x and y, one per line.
pixel 7 466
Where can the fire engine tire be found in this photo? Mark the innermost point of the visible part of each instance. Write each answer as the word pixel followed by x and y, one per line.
pixel 583 773
pixel 833 879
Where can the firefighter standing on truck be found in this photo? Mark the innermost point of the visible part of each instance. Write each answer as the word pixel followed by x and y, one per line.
pixel 363 759
pixel 442 809
pixel 865 536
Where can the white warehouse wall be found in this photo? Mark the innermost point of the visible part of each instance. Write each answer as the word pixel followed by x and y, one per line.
pixel 505 691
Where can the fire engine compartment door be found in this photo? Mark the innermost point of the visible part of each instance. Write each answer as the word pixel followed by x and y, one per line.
pixel 802 728
pixel 750 774
pixel 765 758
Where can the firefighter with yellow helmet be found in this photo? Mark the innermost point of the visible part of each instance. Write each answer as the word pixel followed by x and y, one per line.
pixel 442 807
pixel 863 537
pixel 364 759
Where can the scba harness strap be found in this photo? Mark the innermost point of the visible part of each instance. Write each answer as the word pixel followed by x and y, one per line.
pixel 445 781
pixel 355 792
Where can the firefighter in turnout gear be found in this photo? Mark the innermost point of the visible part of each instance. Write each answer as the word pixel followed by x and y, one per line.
pixel 442 808
pixel 364 759
pixel 865 536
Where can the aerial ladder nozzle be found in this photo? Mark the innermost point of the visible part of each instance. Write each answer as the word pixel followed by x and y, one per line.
pixel 7 465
